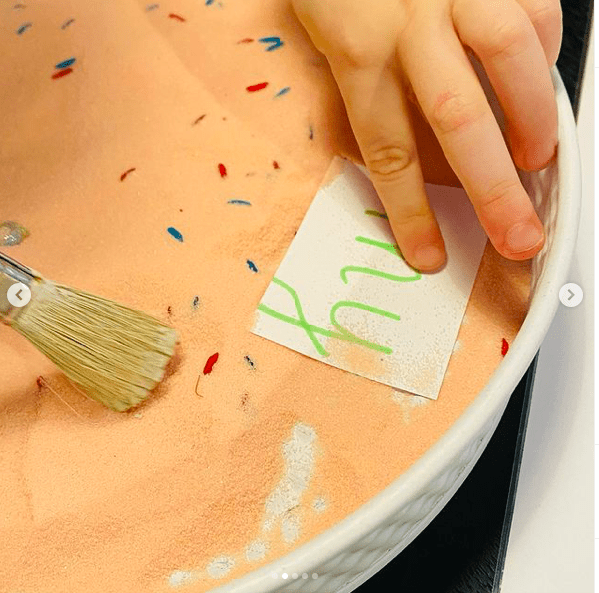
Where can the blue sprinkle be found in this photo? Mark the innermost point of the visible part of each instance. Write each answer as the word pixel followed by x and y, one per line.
pixel 175 233
pixel 240 202
pixel 209 2
pixel 65 63
pixel 283 91
pixel 252 265
pixel 23 28
pixel 275 41
pixel 151 7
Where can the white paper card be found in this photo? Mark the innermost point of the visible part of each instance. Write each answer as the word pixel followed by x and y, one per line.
pixel 343 294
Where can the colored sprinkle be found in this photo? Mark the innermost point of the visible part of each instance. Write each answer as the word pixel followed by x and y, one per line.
pixel 65 63
pixel 274 41
pixel 40 381
pixel 222 170
pixel 249 361
pixel 240 202
pixel 23 28
pixel 276 165
pixel 12 233
pixel 245 40
pixel 151 7
pixel 196 302
pixel 504 346
pixel 169 310
pixel 311 133
pixel 197 121
pixel 175 233
pixel 179 18
pixel 19 6
pixel 210 363
pixel 256 87
pixel 375 213
pixel 209 2
pixel 67 23
pixel 252 265
pixel 127 173
pixel 62 73
pixel 283 91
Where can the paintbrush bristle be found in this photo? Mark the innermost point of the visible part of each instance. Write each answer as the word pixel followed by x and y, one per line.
pixel 115 354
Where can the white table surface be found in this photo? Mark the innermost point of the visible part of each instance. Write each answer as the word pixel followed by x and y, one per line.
pixel 550 547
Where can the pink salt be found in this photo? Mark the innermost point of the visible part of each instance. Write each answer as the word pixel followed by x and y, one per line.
pixel 101 501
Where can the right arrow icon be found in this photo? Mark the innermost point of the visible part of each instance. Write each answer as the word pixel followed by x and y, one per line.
pixel 570 294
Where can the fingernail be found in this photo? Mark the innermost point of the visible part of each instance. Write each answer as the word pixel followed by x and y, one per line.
pixel 429 257
pixel 536 159
pixel 523 237
pixel 553 154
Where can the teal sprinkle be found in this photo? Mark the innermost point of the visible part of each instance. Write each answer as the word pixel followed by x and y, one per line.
pixel 252 265
pixel 65 63
pixel 283 91
pixel 274 41
pixel 23 28
pixel 175 233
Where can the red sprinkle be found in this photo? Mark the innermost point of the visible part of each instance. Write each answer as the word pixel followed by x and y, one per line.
pixel 40 381
pixel 222 170
pixel 275 165
pixel 256 87
pixel 172 15
pixel 62 73
pixel 246 40
pixel 244 400
pixel 127 173
pixel 504 346
pixel 210 363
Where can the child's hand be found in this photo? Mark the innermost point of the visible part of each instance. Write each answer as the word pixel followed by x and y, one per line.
pixel 385 51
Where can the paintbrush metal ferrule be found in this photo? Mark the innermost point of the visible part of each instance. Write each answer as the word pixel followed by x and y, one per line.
pixel 12 272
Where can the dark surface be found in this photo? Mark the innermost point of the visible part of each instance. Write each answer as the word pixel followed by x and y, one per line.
pixel 577 25
pixel 463 549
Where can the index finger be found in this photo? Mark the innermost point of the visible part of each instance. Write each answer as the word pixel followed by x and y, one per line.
pixel 453 101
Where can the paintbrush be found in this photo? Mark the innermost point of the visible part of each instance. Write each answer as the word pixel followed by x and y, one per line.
pixel 115 354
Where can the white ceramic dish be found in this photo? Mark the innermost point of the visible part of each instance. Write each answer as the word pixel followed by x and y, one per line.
pixel 346 555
